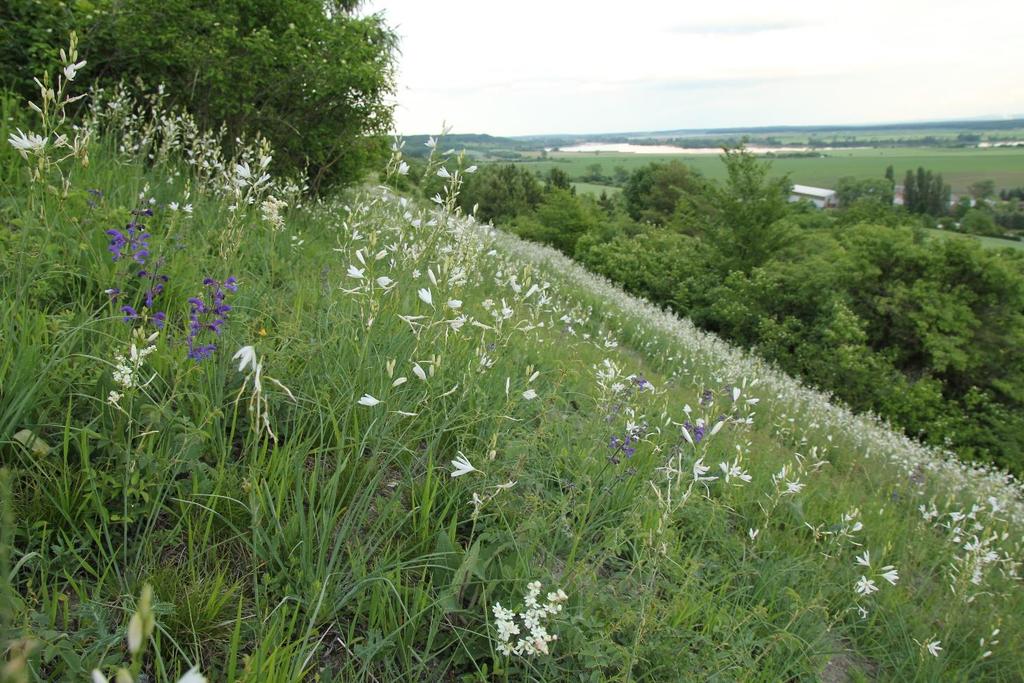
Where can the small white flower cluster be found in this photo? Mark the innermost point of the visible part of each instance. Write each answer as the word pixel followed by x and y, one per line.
pixel 126 368
pixel 533 635
pixel 272 209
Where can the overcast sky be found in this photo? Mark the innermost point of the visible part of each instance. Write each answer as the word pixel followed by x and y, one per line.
pixel 555 66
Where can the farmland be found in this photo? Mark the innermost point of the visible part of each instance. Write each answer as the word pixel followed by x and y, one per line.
pixel 959 166
pixel 987 242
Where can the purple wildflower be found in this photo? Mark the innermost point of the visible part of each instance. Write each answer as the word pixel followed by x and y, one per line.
pixel 130 313
pixel 208 316
pixel 641 382
pixel 624 446
pixel 132 242
pixel 156 287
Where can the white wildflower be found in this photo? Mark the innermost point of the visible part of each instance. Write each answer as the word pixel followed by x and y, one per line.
pixel 368 401
pixel 72 70
pixel 246 356
pixel 794 486
pixel 890 574
pixel 419 372
pixel 27 142
pixel 462 466
pixel 193 676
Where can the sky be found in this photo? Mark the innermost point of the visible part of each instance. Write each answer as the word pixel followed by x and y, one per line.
pixel 556 66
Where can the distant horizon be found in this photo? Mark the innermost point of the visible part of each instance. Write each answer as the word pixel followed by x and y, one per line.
pixel 742 129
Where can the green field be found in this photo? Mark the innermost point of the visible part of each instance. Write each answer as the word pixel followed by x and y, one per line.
pixel 596 189
pixel 987 242
pixel 959 167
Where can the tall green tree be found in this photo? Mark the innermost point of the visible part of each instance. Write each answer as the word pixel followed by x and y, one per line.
pixel 925 192
pixel 982 189
pixel 910 192
pixel 746 211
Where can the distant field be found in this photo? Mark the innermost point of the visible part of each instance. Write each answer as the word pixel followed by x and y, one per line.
pixel 959 167
pixel 987 242
pixel 595 189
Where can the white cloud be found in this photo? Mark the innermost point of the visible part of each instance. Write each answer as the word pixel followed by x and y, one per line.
pixel 540 67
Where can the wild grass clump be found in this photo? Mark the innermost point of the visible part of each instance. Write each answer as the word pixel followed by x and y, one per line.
pixel 368 439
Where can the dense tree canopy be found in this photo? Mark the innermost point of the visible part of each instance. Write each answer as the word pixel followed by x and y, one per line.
pixel 501 192
pixel 654 192
pixel 311 77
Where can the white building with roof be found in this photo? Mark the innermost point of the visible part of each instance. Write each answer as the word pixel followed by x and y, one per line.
pixel 821 197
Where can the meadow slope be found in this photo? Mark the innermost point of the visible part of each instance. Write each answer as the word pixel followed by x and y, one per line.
pixel 340 440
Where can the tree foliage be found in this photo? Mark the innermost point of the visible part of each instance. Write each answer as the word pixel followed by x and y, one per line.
pixel 500 192
pixel 850 190
pixel 654 192
pixel 311 77
pixel 925 192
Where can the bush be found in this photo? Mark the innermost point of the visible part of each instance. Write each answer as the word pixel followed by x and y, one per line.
pixel 310 77
pixel 979 222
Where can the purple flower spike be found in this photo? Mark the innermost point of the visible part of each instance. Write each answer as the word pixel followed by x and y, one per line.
pixel 132 242
pixel 208 315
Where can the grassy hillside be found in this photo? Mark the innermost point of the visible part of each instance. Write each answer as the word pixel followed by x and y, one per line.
pixel 424 416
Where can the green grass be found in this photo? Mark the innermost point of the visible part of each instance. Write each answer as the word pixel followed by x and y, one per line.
pixel 987 242
pixel 342 547
pixel 595 190
pixel 959 167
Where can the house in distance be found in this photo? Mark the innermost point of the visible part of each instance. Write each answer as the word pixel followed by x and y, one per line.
pixel 821 197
